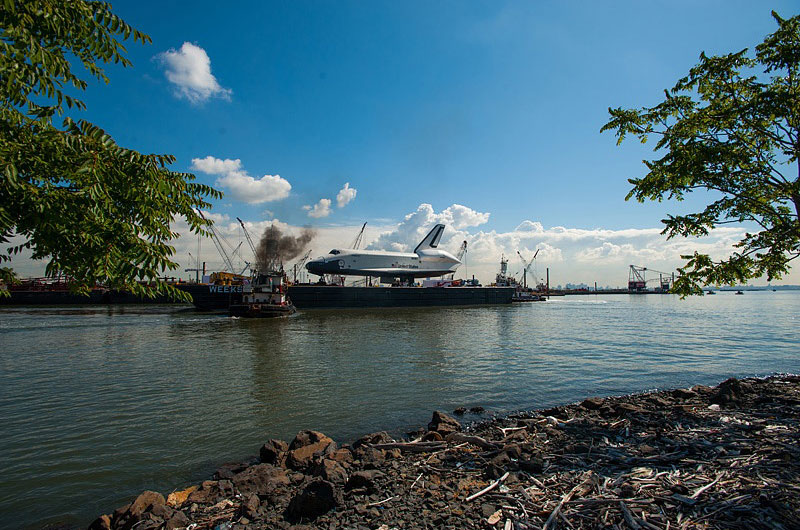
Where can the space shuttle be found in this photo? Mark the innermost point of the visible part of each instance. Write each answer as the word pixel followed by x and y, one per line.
pixel 425 261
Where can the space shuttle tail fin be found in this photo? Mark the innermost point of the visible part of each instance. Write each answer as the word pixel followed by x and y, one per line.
pixel 432 239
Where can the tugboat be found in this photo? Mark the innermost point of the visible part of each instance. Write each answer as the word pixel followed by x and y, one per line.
pixel 265 297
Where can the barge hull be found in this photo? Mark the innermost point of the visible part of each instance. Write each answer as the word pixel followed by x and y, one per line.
pixel 318 296
pixel 212 297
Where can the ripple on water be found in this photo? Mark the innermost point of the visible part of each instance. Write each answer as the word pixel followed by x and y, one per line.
pixel 100 404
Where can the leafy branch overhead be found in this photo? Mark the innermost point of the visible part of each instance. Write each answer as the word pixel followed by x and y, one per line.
pixel 98 212
pixel 731 126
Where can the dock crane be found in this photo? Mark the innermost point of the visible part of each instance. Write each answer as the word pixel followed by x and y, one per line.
pixel 300 263
pixel 462 251
pixel 338 279
pixel 527 266
pixel 247 235
pixel 638 283
pixel 359 238
pixel 217 243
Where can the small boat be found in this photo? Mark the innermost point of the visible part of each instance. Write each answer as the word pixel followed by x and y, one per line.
pixel 739 292
pixel 265 297
pixel 711 292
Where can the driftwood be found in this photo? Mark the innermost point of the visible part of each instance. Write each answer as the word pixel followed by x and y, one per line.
pixel 700 458
pixel 413 447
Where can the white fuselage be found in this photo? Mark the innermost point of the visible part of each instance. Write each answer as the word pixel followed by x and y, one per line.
pixel 423 263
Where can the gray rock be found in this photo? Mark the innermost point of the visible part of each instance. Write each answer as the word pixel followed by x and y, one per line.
pixel 316 499
pixel 274 452
pixel 261 479
pixel 443 424
pixel 364 480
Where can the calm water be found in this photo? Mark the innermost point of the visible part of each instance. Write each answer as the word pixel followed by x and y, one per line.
pixel 98 404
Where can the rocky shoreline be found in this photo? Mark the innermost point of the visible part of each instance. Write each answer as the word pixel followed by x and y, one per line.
pixel 721 457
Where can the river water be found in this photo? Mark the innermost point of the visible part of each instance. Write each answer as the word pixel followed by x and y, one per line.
pixel 98 403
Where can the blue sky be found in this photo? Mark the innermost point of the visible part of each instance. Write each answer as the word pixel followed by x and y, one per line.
pixel 492 106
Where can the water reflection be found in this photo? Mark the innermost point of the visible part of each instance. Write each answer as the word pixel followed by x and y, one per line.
pixel 120 400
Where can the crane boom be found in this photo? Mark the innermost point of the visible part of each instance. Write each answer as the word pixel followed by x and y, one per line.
pixel 526 266
pixel 215 238
pixel 247 235
pixel 359 238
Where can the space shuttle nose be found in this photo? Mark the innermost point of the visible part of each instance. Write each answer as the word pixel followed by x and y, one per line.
pixel 315 266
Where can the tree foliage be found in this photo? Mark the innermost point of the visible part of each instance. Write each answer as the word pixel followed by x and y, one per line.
pixel 98 212
pixel 731 126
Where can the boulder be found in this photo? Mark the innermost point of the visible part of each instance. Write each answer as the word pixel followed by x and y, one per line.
pixel 364 480
pixel 261 479
pixel 317 498
pixel 274 452
pixel 592 403
pixel 227 470
pixel 177 498
pixel 250 506
pixel 513 451
pixel 178 520
pixel 460 411
pixel 101 523
pixel 332 471
pixel 684 393
pixel 146 500
pixel 369 456
pixel 443 424
pixel 135 513
pixel 161 510
pixel 626 408
pixel 307 446
pixel 341 455
pixel 729 392
pixel 533 465
pixel 380 437
pixel 210 492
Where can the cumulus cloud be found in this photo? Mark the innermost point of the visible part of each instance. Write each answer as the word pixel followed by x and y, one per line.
pixel 460 217
pixel 239 184
pixel 321 209
pixel 416 225
pixel 345 195
pixel 189 69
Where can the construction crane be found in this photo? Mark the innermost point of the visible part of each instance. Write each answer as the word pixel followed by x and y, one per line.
pixel 247 235
pixel 462 251
pixel 300 263
pixel 638 283
pixel 527 266
pixel 216 239
pixel 359 238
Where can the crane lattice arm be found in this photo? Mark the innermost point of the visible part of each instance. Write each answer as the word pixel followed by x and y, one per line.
pixel 215 238
pixel 359 238
pixel 247 235
pixel 462 251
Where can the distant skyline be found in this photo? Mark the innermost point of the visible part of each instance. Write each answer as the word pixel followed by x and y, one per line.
pixel 481 115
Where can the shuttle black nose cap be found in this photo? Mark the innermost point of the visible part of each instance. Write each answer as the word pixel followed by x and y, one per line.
pixel 320 266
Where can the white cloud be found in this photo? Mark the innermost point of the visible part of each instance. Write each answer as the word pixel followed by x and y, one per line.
pixel 417 224
pixel 459 217
pixel 345 195
pixel 577 255
pixel 215 166
pixel 321 209
pixel 242 186
pixel 189 69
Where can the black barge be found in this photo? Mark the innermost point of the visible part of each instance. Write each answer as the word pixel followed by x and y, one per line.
pixel 219 297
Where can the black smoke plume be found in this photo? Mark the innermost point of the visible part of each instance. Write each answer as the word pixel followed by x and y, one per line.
pixel 275 248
